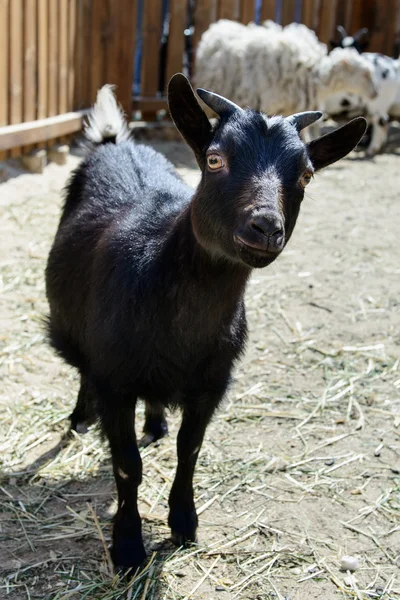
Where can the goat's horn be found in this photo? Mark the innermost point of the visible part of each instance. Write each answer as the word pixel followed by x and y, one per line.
pixel 360 33
pixel 304 119
pixel 342 31
pixel 218 103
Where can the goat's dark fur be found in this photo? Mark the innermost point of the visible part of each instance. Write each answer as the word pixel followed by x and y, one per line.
pixel 146 278
pixel 359 41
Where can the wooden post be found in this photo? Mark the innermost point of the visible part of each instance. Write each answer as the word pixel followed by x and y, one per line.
pixel 308 13
pixel 151 46
pixel 29 80
pixel 15 65
pixel 248 11
pixel 229 9
pixel 288 11
pixel 176 40
pixel 4 41
pixel 268 10
pixel 52 86
pixel 327 20
pixel 205 12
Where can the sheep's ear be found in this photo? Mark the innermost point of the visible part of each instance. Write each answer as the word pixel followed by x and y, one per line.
pixel 331 147
pixel 188 116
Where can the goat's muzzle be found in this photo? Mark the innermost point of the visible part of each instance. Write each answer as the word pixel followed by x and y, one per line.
pixel 261 239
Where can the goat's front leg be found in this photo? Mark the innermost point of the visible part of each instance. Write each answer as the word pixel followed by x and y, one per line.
pixel 380 130
pixel 117 416
pixel 182 512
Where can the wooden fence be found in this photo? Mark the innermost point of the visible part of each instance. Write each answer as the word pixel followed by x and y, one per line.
pixel 55 54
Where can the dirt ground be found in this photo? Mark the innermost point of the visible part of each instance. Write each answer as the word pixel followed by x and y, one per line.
pixel 300 466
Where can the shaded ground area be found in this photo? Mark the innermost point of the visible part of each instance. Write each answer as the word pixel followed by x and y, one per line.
pixel 300 466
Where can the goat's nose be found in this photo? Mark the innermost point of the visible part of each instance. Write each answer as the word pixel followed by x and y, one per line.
pixel 270 226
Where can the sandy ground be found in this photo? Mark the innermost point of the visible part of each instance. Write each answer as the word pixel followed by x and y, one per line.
pixel 300 466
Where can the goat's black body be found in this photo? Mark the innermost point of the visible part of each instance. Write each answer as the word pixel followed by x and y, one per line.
pixel 142 311
pixel 146 278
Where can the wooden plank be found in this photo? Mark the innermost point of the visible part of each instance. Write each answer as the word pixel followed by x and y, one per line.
pixel 72 30
pixel 308 16
pixel 327 20
pixel 348 16
pixel 15 65
pixel 203 16
pixel 42 61
pixel 30 79
pixel 42 58
pixel 98 55
pixel 78 57
pixel 113 43
pixel 151 46
pixel 229 9
pixel 150 105
pixel 248 11
pixel 378 34
pixel 4 40
pixel 288 12
pixel 62 56
pixel 389 26
pixel 13 136
pixel 126 49
pixel 85 59
pixel 30 60
pixel 268 10
pixel 52 82
pixel 340 16
pixel 176 39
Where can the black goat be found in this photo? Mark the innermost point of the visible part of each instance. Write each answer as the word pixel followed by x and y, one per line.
pixel 146 277
pixel 359 41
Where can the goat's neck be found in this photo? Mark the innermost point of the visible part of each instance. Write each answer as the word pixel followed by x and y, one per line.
pixel 219 275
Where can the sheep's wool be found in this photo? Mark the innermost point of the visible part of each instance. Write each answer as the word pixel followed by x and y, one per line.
pixel 274 69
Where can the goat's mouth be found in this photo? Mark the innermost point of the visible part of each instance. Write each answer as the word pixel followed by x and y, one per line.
pixel 254 253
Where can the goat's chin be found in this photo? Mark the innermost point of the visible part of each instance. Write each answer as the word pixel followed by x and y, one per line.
pixel 254 258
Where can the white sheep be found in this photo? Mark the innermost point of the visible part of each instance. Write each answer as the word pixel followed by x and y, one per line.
pixel 277 70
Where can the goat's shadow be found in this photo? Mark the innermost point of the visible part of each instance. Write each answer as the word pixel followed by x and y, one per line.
pixel 47 502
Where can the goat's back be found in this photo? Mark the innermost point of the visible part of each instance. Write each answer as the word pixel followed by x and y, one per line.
pixel 120 204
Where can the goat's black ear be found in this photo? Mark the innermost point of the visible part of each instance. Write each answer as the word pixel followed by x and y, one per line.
pixel 188 116
pixel 331 147
pixel 362 38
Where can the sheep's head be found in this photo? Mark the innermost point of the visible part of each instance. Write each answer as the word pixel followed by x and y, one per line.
pixel 254 172
pixel 344 70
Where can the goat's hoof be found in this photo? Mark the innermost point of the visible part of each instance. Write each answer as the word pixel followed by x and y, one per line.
pixel 127 555
pixel 158 431
pixel 79 423
pixel 183 524
pixel 179 539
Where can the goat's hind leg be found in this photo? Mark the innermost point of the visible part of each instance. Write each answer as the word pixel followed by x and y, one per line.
pixel 117 418
pixel 155 425
pixel 84 413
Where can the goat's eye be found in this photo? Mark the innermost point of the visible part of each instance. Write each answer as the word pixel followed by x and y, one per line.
pixel 305 178
pixel 214 162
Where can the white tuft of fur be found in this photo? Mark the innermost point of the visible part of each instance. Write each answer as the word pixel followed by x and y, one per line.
pixel 106 119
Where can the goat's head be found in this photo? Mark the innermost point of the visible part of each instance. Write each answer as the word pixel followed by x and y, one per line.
pixel 254 171
pixel 359 41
